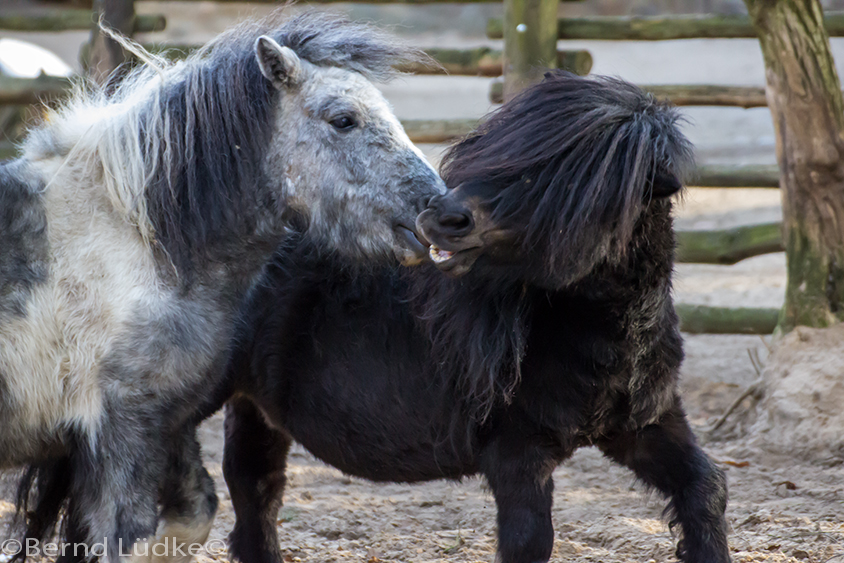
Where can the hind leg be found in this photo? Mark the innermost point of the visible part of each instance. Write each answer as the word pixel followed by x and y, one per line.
pixel 41 496
pixel 518 470
pixel 188 505
pixel 666 456
pixel 254 464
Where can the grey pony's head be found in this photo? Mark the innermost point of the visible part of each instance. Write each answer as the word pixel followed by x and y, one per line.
pixel 338 155
pixel 273 121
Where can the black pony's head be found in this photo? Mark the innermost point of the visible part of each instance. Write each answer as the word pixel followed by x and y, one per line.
pixel 554 182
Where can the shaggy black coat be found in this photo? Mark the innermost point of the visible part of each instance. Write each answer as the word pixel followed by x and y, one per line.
pixel 561 334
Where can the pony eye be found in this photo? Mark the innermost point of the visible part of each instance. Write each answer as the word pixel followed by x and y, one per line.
pixel 343 123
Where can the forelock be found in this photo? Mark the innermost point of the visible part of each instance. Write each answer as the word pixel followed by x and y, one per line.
pixel 330 40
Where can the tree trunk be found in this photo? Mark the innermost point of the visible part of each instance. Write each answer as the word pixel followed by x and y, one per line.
pixel 104 55
pixel 806 104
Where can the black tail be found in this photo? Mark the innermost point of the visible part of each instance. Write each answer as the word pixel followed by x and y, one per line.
pixel 42 495
pixel 576 159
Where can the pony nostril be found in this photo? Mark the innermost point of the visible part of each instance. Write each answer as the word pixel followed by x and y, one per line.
pixel 456 221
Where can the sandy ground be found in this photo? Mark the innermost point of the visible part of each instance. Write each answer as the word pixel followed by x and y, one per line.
pixel 782 508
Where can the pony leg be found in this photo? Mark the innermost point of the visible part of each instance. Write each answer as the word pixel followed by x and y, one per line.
pixel 188 505
pixel 666 456
pixel 254 463
pixel 519 473
pixel 116 478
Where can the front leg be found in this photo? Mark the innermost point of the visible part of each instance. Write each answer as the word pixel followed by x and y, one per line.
pixel 254 466
pixel 188 504
pixel 116 473
pixel 666 456
pixel 518 466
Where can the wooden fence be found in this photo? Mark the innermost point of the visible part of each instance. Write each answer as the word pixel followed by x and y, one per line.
pixel 530 29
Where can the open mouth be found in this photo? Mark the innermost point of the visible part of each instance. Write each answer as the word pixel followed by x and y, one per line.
pixel 438 255
pixel 454 262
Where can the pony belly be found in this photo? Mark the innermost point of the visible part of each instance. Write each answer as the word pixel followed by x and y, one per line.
pixel 380 444
pixel 396 463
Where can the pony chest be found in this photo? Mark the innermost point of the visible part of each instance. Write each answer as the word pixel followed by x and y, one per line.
pixel 577 373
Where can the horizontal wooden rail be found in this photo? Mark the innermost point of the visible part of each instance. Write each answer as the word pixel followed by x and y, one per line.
pixel 658 28
pixel 709 95
pixel 437 130
pixel 487 62
pixel 702 319
pixel 481 61
pixel 687 94
pixel 68 20
pixel 754 176
pixel 21 91
pixel 484 61
pixel 728 246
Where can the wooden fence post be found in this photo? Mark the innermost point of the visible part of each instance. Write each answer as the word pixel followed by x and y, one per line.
pixel 104 55
pixel 530 42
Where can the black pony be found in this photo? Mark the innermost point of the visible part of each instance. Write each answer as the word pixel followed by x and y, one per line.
pixel 556 330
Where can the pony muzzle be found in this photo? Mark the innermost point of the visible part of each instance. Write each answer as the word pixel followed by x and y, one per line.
pixel 452 245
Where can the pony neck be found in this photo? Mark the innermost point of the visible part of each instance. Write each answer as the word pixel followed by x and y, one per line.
pixel 477 331
pixel 178 153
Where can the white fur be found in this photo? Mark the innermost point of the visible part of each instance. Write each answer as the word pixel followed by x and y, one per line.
pixel 172 540
pixel 101 267
pixel 100 272
pixel 101 137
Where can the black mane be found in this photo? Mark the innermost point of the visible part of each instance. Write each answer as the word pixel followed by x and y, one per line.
pixel 219 121
pixel 572 160
pixel 478 333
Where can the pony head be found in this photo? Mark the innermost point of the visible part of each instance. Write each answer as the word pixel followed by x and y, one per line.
pixel 554 183
pixel 275 122
pixel 339 157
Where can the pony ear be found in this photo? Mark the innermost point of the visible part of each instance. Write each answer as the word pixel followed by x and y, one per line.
pixel 665 184
pixel 280 65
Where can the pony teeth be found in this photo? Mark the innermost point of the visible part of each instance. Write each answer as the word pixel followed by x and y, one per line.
pixel 439 255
